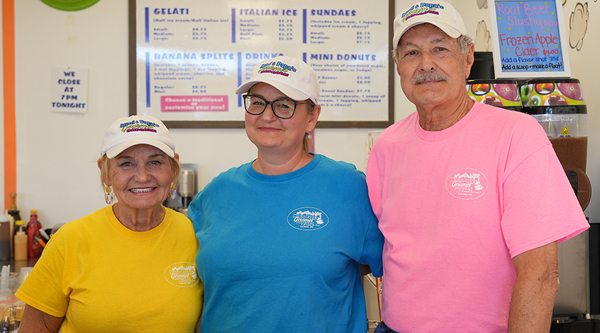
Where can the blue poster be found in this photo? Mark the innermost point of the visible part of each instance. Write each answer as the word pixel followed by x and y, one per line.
pixel 529 36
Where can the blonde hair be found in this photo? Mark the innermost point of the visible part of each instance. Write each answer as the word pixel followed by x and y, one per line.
pixel 310 107
pixel 175 166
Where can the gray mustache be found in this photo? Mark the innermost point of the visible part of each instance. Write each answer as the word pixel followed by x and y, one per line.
pixel 430 76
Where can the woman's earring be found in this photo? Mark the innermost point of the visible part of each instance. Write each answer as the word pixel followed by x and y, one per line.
pixel 109 196
pixel 172 195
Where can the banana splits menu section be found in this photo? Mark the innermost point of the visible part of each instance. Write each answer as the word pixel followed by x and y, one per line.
pixel 191 55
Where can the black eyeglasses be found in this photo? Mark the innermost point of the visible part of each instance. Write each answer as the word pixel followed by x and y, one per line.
pixel 282 108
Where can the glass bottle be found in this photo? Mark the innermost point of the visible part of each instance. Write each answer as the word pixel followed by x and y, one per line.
pixel 20 241
pixel 33 231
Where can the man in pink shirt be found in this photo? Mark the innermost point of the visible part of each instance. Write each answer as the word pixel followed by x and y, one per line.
pixel 471 199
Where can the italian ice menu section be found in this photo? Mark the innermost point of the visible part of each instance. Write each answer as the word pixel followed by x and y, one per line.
pixel 191 55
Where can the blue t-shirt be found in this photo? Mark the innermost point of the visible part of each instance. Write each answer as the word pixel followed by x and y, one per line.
pixel 281 253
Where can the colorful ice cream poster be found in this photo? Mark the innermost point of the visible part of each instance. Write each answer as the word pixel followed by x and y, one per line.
pixel 529 39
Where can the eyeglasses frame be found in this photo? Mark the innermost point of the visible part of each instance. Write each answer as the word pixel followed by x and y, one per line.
pixel 271 103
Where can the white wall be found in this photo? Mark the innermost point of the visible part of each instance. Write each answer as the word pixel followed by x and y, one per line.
pixel 57 152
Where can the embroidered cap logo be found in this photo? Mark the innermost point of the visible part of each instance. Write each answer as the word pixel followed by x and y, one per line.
pixel 422 9
pixel 276 67
pixel 138 126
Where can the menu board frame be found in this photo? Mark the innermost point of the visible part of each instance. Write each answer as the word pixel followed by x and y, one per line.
pixel 192 122
pixel 524 44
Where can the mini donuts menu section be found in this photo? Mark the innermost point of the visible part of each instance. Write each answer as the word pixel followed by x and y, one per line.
pixel 192 55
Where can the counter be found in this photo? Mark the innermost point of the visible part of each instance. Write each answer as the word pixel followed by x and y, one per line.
pixel 15 265
pixel 577 326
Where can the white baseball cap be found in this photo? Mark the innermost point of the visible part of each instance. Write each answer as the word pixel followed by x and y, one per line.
pixel 291 76
pixel 136 130
pixel 439 13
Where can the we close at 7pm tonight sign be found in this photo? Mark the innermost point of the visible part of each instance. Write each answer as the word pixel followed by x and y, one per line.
pixel 529 39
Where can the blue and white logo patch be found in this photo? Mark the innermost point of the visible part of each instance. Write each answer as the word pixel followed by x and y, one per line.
pixel 308 218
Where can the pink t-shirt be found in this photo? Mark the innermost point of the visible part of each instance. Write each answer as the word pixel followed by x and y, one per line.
pixel 455 206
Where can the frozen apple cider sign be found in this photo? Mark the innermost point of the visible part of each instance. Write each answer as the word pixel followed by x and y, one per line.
pixel 529 36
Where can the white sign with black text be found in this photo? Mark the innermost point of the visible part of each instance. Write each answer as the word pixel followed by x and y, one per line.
pixel 69 89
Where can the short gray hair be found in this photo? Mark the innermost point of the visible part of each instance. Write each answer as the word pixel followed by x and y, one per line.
pixel 463 42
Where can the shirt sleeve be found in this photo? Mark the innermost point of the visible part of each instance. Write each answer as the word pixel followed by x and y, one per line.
pixel 539 205
pixel 373 248
pixel 374 182
pixel 43 287
pixel 195 212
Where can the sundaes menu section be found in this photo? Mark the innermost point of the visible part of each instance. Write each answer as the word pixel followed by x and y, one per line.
pixel 192 55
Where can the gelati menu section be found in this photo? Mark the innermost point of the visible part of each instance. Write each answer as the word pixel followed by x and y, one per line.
pixel 191 55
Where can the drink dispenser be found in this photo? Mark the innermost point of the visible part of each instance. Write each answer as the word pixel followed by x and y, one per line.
pixel 500 93
pixel 186 188
pixel 558 106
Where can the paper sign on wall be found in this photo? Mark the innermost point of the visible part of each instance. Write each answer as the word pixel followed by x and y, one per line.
pixel 69 89
pixel 529 39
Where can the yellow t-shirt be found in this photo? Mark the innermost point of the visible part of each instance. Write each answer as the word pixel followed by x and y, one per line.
pixel 104 277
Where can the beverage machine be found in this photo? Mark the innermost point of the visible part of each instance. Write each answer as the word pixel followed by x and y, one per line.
pixel 559 106
pixel 186 188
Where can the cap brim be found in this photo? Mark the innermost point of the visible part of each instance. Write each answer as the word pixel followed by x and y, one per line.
pixel 116 150
pixel 285 89
pixel 446 28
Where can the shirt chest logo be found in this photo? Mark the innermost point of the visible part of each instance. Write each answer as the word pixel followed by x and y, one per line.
pixel 307 218
pixel 466 184
pixel 182 274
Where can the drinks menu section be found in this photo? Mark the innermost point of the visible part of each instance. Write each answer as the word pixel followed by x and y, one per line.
pixel 192 55
pixel 529 37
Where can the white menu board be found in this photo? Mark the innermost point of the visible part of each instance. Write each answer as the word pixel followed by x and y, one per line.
pixel 191 55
